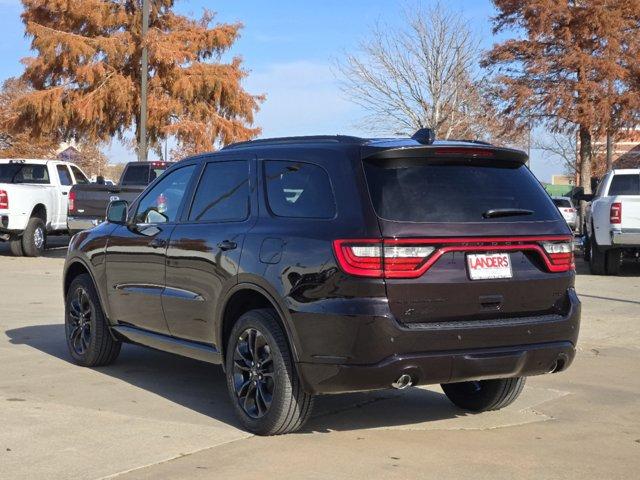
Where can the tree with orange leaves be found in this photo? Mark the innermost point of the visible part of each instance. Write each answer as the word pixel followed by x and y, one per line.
pixel 86 75
pixel 572 63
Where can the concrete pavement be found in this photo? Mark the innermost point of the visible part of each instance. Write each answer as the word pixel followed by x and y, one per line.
pixel 154 415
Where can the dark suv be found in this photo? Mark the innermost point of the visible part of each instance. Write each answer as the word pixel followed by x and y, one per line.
pixel 318 265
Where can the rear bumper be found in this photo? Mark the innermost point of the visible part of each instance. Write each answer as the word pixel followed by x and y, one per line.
pixel 356 353
pixel 627 239
pixel 440 367
pixel 78 224
pixel 12 223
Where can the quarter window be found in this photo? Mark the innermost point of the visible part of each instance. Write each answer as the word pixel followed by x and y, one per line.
pixel 162 203
pixel 299 190
pixel 223 193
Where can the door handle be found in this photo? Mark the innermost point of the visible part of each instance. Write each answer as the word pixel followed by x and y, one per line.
pixel 65 193
pixel 158 243
pixel 227 245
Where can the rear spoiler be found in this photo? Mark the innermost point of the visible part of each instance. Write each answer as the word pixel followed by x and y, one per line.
pixel 446 152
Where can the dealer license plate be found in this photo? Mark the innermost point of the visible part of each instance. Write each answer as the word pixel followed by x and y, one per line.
pixel 489 266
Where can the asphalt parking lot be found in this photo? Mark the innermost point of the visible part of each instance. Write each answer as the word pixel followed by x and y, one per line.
pixel 152 415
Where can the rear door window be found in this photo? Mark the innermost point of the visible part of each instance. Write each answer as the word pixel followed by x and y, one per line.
pixel 625 185
pixel 79 176
pixel 414 190
pixel 298 190
pixel 223 193
pixel 64 175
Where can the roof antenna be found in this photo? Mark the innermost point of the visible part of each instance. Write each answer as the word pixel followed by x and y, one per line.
pixel 425 136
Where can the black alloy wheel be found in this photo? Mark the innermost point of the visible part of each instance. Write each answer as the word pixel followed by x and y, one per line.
pixel 253 373
pixel 81 311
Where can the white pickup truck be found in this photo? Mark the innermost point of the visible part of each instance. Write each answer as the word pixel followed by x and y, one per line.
pixel 34 198
pixel 612 222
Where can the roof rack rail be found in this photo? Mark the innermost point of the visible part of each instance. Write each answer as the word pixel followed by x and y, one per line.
pixel 297 140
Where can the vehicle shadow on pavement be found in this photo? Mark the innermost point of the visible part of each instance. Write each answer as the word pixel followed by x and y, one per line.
pixel 202 387
pixel 629 268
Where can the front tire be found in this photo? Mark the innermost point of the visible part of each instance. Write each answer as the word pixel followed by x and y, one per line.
pixel 263 384
pixel 484 395
pixel 15 246
pixel 34 238
pixel 89 340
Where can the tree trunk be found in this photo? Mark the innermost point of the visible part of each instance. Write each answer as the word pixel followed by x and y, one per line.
pixel 585 169
pixel 609 151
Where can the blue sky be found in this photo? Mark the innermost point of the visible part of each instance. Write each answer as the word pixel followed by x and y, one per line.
pixel 289 47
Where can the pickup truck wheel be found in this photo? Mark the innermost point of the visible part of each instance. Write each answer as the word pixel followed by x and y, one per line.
pixel 34 238
pixel 263 384
pixel 484 395
pixel 596 258
pixel 15 245
pixel 613 259
pixel 88 337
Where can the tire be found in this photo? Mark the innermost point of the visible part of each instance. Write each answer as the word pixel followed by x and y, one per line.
pixel 88 337
pixel 613 258
pixel 34 238
pixel 596 258
pixel 586 247
pixel 15 246
pixel 278 404
pixel 484 395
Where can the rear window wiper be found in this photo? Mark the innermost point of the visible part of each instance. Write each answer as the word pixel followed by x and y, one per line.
pixel 506 212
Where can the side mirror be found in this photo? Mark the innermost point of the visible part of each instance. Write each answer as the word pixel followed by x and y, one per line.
pixel 117 212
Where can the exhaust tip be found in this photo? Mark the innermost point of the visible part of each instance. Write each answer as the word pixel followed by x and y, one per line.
pixel 404 381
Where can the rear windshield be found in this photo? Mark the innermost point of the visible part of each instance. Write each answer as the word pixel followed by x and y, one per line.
pixel 562 202
pixel 24 173
pixel 142 174
pixel 625 185
pixel 412 190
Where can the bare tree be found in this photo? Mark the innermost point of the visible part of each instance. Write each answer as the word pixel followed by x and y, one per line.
pixel 564 146
pixel 423 75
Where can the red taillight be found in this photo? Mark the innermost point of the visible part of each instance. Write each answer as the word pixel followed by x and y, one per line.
pixel 570 210
pixel 615 214
pixel 72 201
pixel 4 200
pixel 411 258
pixel 378 259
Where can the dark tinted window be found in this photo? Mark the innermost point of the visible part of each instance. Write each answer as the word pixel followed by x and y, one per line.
pixel 136 175
pixel 162 203
pixel 223 193
pixel 562 202
pixel 414 191
pixel 65 176
pixel 80 178
pixel 625 185
pixel 299 190
pixel 24 173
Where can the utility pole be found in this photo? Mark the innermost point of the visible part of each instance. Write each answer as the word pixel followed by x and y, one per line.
pixel 142 143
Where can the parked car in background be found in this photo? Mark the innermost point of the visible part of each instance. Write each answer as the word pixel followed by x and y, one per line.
pixel 568 211
pixel 319 265
pixel 88 203
pixel 612 221
pixel 33 201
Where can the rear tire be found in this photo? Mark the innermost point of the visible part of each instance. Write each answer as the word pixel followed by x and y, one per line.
pixel 88 337
pixel 613 259
pixel 484 395
pixel 263 384
pixel 15 246
pixel 596 258
pixel 34 238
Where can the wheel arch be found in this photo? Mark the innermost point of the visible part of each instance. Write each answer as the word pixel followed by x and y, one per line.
pixel 76 268
pixel 243 298
pixel 39 211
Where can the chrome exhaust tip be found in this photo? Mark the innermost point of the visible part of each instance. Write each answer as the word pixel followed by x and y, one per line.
pixel 403 382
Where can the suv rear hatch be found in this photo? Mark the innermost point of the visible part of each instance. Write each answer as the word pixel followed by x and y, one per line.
pixel 469 234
